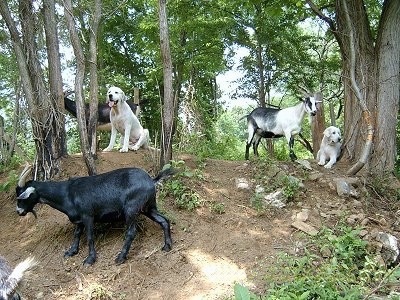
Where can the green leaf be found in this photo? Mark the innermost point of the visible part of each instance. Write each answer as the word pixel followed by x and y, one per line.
pixel 241 292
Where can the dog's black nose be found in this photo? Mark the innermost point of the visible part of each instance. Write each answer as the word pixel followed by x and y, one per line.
pixel 110 96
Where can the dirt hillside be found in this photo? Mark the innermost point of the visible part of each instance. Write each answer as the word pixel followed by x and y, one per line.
pixel 211 251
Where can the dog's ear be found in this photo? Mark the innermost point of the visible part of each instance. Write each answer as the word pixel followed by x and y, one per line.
pixel 123 98
pixel 327 132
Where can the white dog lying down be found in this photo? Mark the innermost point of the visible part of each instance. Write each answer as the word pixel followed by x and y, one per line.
pixel 124 121
pixel 330 147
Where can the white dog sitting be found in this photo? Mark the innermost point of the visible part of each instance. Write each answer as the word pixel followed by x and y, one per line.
pixel 330 147
pixel 124 121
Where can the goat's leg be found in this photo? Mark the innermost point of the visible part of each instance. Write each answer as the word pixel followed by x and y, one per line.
pixel 74 249
pixel 256 142
pixel 154 215
pixel 129 236
pixel 249 142
pixel 293 156
pixel 91 258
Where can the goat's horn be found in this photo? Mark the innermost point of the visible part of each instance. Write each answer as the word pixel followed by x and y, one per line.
pixel 24 175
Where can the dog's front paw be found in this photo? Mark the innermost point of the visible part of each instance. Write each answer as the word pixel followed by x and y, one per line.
pixel 135 148
pixel 321 163
pixel 328 166
pixel 123 150
pixel 107 149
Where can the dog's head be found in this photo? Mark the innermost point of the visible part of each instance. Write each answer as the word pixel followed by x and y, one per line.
pixel 115 95
pixel 333 135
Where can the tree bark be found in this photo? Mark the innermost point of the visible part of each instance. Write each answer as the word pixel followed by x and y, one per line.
pixel 168 101
pixel 376 74
pixel 387 106
pixel 55 78
pixel 79 78
pixel 318 124
pixel 94 87
pixel 46 126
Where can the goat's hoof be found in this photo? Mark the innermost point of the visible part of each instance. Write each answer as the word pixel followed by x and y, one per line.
pixel 166 248
pixel 120 259
pixel 70 253
pixel 89 261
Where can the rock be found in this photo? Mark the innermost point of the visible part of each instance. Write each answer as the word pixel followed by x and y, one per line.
pixel 390 250
pixel 315 176
pixel 353 219
pixel 242 183
pixel 303 215
pixel 345 189
pixel 259 189
pixel 276 199
pixel 310 230
pixel 304 163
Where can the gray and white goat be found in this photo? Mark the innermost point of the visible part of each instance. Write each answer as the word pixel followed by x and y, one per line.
pixel 9 279
pixel 119 195
pixel 267 122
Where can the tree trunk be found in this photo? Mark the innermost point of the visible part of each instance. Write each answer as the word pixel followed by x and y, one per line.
pixel 376 74
pixel 318 124
pixel 94 87
pixel 46 126
pixel 387 104
pixel 168 103
pixel 55 78
pixel 79 78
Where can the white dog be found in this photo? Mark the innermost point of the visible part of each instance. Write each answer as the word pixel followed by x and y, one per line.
pixel 330 147
pixel 124 121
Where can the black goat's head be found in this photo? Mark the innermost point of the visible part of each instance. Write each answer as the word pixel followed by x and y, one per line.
pixel 27 197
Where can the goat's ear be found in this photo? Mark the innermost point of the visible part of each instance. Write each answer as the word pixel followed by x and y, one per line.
pixel 26 193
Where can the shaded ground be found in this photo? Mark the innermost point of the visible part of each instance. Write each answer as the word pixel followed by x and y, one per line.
pixel 210 251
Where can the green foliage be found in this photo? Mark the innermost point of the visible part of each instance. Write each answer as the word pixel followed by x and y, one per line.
pixel 347 270
pixel 10 183
pixel 179 188
pixel 217 208
pixel 383 187
pixel 291 186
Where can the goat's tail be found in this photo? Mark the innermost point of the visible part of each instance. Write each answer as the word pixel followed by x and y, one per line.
pixel 17 274
pixel 164 173
pixel 243 117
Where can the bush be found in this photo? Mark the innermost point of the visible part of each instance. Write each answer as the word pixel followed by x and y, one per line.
pixel 337 265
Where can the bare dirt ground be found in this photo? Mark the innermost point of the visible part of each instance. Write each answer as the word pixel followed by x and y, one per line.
pixel 211 252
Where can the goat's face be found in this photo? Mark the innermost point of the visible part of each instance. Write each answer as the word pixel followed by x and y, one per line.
pixel 311 106
pixel 114 95
pixel 27 198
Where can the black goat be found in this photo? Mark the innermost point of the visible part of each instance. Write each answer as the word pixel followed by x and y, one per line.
pixel 103 117
pixel 119 195
pixel 9 279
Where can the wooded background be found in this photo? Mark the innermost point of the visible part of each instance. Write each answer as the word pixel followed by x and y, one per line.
pixel 349 51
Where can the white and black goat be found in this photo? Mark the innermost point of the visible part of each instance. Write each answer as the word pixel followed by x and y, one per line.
pixel 267 122
pixel 119 195
pixel 9 279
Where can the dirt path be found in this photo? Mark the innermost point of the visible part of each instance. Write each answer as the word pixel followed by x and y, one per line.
pixel 211 252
